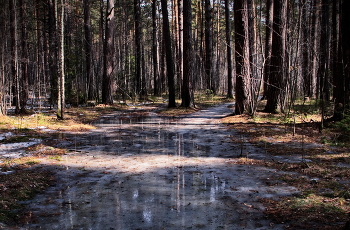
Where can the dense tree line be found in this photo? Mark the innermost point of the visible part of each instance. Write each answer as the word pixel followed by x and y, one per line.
pixel 75 51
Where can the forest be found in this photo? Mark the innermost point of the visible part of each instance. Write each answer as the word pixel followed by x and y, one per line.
pixel 175 114
pixel 69 52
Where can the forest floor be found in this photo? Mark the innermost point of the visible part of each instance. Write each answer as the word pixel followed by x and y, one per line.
pixel 144 167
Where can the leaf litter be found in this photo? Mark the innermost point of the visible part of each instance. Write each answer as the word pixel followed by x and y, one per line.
pixel 137 170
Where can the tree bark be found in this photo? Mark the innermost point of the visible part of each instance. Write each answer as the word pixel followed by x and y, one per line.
pixel 156 89
pixel 169 55
pixel 229 50
pixel 268 44
pixel 139 51
pixel 61 74
pixel 277 54
pixel 52 51
pixel 241 48
pixel 315 32
pixel 24 91
pixel 187 84
pixel 180 42
pixel 108 52
pixel 209 46
pixel 305 73
pixel 88 50
pixel 345 33
pixel 14 61
pixel 322 74
pixel 342 80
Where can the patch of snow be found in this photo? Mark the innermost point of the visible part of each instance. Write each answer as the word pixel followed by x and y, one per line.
pixel 343 165
pixel 3 136
pixel 15 150
pixel 6 173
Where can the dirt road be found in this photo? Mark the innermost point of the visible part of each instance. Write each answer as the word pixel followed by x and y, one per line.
pixel 155 173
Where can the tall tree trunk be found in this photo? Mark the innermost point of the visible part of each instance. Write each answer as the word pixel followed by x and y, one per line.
pixel 338 78
pixel 2 60
pixel 229 50
pixel 180 42
pixel 14 48
pixel 155 49
pixel 241 48
pixel 2 78
pixel 307 80
pixel 277 54
pixel 209 46
pixel 61 74
pixel 139 51
pixel 315 32
pixel 346 49
pixel 25 57
pixel 342 62
pixel 169 55
pixel 268 45
pixel 108 56
pixel 52 50
pixel 252 78
pixel 322 74
pixel 187 85
pixel 88 50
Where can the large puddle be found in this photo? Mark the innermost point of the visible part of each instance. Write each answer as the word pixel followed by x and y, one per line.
pixel 154 173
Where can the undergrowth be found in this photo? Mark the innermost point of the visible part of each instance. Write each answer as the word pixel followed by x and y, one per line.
pixel 322 174
pixel 21 183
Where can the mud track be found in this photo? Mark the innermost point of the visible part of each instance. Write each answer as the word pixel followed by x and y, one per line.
pixel 155 173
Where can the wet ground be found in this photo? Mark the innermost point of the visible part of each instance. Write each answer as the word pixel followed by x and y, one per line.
pixel 155 173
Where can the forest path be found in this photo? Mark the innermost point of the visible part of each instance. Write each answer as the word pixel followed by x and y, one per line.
pixel 155 173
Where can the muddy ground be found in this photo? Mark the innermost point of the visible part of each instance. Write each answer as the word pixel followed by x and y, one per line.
pixel 148 172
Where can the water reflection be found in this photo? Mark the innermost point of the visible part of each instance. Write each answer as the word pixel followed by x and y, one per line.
pixel 175 196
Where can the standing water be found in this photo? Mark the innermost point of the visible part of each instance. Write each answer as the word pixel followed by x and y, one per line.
pixel 155 173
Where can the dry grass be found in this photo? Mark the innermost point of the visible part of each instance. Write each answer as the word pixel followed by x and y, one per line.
pixel 324 202
pixel 175 112
pixel 21 183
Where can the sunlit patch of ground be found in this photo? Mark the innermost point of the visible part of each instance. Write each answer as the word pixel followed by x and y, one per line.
pixel 133 163
pixel 40 122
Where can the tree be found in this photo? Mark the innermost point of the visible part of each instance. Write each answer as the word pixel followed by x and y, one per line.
pixel 229 51
pixel 14 48
pixel 169 55
pixel 241 48
pixel 108 50
pixel 137 56
pixel 209 45
pixel 3 56
pixel 342 77
pixel 155 49
pixel 324 52
pixel 345 33
pixel 277 54
pixel 268 44
pixel 187 84
pixel 305 73
pixel 61 74
pixel 25 57
pixel 140 89
pixel 88 50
